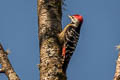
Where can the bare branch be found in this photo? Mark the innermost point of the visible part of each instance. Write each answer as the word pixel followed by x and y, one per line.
pixel 117 72
pixel 6 66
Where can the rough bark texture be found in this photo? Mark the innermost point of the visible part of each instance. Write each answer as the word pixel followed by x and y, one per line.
pixel 6 66
pixel 49 20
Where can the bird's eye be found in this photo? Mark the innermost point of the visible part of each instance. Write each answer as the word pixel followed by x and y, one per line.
pixel 72 17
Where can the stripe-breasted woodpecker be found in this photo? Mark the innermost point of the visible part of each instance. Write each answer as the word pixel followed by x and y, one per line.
pixel 69 37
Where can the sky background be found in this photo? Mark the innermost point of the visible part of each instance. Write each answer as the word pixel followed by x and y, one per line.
pixel 95 55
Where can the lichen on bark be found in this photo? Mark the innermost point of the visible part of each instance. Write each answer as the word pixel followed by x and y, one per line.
pixel 49 23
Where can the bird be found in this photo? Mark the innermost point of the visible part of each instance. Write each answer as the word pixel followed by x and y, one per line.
pixel 69 38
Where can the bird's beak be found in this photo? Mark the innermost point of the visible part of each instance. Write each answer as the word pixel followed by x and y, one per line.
pixel 70 16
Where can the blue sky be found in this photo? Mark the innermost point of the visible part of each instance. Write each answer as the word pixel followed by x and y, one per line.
pixel 95 55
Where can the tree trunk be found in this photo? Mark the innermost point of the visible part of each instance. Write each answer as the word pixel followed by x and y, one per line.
pixel 49 22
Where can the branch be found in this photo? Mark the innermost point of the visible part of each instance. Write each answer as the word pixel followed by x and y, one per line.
pixel 117 72
pixel 6 66
pixel 49 22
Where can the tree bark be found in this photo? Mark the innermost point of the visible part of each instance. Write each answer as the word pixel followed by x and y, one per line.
pixel 117 72
pixel 49 23
pixel 6 66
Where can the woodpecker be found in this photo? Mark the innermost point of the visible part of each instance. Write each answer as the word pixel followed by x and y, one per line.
pixel 69 38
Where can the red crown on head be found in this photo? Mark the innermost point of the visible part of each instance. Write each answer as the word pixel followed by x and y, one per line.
pixel 80 18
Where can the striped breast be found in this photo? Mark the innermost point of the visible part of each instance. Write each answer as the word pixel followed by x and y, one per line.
pixel 71 39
